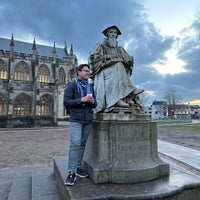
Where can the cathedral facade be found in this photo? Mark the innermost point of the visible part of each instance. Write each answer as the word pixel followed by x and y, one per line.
pixel 32 82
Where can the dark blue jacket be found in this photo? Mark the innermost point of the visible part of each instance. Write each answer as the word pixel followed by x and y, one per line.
pixel 72 101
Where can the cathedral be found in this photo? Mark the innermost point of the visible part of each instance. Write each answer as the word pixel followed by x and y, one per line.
pixel 32 82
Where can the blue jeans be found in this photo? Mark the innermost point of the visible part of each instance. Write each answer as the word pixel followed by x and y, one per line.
pixel 78 137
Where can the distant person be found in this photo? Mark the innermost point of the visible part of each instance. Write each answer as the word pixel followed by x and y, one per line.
pixel 79 99
pixel 111 67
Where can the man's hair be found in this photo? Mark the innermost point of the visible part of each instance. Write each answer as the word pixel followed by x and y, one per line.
pixel 80 67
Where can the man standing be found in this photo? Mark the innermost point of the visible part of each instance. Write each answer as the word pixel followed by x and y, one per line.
pixel 111 67
pixel 79 99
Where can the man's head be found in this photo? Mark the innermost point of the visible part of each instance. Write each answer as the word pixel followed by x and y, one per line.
pixel 83 71
pixel 107 30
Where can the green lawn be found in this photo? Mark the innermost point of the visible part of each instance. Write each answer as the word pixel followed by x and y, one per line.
pixel 172 121
pixel 178 124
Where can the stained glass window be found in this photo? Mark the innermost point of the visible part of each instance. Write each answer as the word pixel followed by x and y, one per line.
pixel 3 70
pixel 46 105
pixel 44 74
pixel 22 105
pixel 3 105
pixel 22 71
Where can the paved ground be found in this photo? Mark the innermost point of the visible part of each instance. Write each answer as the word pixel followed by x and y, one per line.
pixel 26 152
pixel 32 147
pixel 178 135
pixel 37 146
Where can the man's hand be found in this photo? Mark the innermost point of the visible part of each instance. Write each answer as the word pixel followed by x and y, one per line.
pixel 88 98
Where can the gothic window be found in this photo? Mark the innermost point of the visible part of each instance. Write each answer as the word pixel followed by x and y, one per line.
pixel 46 105
pixel 44 74
pixel 22 105
pixel 62 75
pixel 22 72
pixel 3 105
pixel 3 70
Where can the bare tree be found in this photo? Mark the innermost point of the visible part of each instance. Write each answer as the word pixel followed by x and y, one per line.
pixel 172 98
pixel 143 99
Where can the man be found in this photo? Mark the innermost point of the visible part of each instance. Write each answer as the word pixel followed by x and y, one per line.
pixel 79 99
pixel 111 67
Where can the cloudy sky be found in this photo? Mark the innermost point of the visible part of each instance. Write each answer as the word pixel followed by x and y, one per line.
pixel 163 36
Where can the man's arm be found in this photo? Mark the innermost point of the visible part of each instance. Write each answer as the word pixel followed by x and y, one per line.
pixel 70 99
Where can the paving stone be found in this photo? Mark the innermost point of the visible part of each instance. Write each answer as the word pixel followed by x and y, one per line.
pixel 190 158
pixel 21 189
pixel 170 187
pixel 5 186
pixel 44 186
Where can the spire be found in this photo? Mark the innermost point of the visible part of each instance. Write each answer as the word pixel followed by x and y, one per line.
pixel 65 48
pixel 12 48
pixel 34 50
pixel 12 42
pixel 54 48
pixel 34 45
pixel 54 52
pixel 71 50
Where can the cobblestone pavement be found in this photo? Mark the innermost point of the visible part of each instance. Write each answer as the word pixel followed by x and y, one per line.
pixel 32 147
pixel 37 146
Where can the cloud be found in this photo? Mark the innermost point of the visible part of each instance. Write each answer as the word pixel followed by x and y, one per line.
pixel 81 23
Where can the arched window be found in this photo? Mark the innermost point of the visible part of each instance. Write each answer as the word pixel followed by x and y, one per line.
pixel 22 105
pixel 3 105
pixel 61 76
pixel 46 105
pixel 44 74
pixel 22 72
pixel 3 69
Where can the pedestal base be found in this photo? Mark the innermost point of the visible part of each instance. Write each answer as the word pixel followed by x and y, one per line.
pixel 123 151
pixel 180 184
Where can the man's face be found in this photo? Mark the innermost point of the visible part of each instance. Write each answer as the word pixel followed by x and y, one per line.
pixel 84 73
pixel 112 33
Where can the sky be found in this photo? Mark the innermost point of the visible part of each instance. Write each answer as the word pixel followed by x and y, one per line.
pixel 163 36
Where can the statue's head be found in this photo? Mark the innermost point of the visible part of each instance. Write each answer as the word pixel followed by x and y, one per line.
pixel 105 32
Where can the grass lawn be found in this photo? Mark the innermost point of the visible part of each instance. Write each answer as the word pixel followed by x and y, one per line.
pixel 180 124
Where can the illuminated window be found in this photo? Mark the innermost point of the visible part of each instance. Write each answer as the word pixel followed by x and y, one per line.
pixel 3 105
pixel 44 74
pixel 22 72
pixel 62 75
pixel 46 105
pixel 3 70
pixel 22 105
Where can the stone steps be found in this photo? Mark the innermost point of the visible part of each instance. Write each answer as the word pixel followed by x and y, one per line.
pixel 5 187
pixel 44 186
pixel 37 183
pixel 182 183
pixel 21 189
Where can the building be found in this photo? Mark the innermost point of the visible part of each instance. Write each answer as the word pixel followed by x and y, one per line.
pixel 159 110
pixel 181 111
pixel 195 111
pixel 32 81
pixel 186 111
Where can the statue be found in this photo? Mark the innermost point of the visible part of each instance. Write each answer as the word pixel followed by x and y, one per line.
pixel 111 68
pixel 127 134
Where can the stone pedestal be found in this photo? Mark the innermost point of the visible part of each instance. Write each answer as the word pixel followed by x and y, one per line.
pixel 122 148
